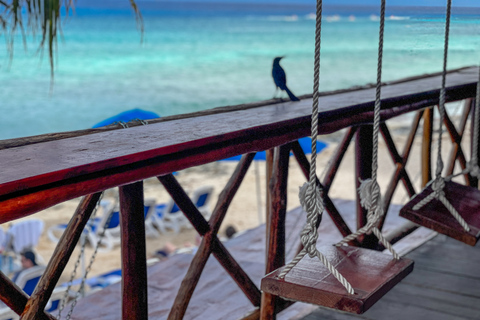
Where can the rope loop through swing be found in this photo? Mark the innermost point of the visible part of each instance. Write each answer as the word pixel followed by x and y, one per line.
pixel 438 183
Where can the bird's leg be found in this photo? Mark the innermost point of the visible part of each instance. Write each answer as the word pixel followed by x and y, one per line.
pixel 275 93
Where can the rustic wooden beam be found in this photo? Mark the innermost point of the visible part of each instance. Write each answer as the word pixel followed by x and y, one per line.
pixel 400 162
pixel 276 234
pixel 472 103
pixel 229 191
pixel 456 137
pixel 457 152
pixel 16 299
pixel 237 273
pixel 96 162
pixel 185 204
pixel 363 171
pixel 61 256
pixel 190 280
pixel 196 267
pixel 268 177
pixel 329 206
pixel 134 254
pixel 426 159
pixel 337 158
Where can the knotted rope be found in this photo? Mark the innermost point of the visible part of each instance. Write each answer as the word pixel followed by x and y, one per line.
pixel 438 183
pixel 311 193
pixel 369 190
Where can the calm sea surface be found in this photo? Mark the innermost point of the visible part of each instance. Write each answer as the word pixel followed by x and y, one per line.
pixel 208 56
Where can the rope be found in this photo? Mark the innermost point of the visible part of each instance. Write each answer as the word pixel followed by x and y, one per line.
pixel 311 193
pixel 439 182
pixel 369 190
pixel 77 262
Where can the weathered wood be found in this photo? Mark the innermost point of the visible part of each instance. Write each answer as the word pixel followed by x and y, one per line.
pixel 337 158
pixel 61 256
pixel 400 162
pixel 276 232
pixel 95 162
pixel 236 272
pixel 196 267
pixel 363 171
pixel 190 280
pixel 472 102
pixel 457 152
pixel 16 299
pixel 372 274
pixel 443 286
pixel 454 154
pixel 329 206
pixel 426 160
pixel 134 255
pixel 435 216
pixel 185 204
pixel 268 198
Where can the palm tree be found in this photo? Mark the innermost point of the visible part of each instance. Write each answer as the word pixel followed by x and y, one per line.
pixel 42 16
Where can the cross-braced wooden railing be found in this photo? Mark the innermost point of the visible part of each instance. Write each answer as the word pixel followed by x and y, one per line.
pixel 41 172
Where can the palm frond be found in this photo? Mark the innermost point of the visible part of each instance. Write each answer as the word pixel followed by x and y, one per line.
pixel 42 16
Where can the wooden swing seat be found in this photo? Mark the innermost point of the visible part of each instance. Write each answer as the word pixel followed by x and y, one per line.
pixel 371 274
pixel 434 215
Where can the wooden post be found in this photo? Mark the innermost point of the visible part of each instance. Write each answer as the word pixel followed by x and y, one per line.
pixel 63 251
pixel 134 263
pixel 363 170
pixel 276 233
pixel 474 180
pixel 268 176
pixel 427 146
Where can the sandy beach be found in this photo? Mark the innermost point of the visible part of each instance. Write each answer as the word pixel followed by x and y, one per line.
pixel 243 212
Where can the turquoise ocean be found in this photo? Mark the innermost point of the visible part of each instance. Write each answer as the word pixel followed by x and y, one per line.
pixel 196 57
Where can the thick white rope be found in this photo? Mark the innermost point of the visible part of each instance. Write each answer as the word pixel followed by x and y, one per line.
pixel 439 182
pixel 369 190
pixel 311 193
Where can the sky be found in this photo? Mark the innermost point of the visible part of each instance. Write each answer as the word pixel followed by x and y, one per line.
pixel 439 3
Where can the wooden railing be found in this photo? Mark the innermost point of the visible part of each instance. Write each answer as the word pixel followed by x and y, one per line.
pixel 39 172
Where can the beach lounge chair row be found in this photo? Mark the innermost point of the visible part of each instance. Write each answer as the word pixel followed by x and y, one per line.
pixel 159 218
pixel 27 280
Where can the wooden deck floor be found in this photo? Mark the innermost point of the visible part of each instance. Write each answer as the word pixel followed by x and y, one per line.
pixel 216 296
pixel 444 285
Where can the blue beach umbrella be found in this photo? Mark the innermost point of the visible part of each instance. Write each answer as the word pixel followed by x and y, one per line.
pixel 127 116
pixel 305 143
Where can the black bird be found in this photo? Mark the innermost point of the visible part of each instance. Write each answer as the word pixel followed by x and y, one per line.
pixel 280 79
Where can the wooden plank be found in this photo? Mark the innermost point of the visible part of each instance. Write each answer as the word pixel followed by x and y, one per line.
pixel 276 230
pixel 363 171
pixel 427 146
pixel 134 256
pixel 120 157
pixel 16 299
pixel 400 162
pixel 196 267
pixel 435 216
pixel 61 255
pixel 371 273
pixel 472 103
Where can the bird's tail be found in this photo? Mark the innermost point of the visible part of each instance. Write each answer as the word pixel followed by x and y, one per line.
pixel 291 95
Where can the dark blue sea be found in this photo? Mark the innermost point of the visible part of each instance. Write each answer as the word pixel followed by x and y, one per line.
pixel 199 56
